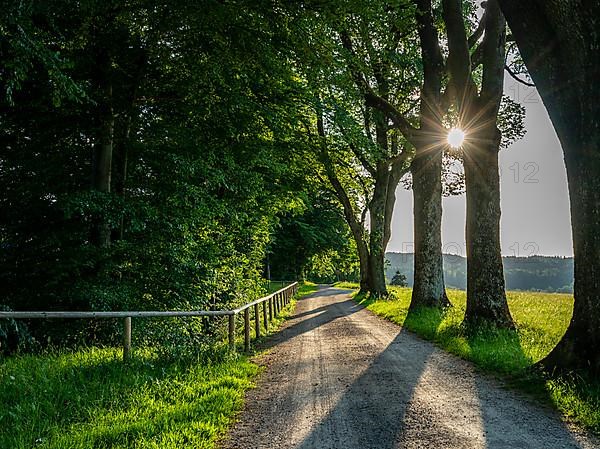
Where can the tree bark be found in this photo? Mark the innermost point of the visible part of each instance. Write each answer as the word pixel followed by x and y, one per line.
pixel 478 115
pixel 377 214
pixel 428 287
pixel 560 45
pixel 486 297
pixel 102 164
pixel 426 169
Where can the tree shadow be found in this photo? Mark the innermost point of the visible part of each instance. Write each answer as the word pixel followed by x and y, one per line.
pixel 516 409
pixel 413 395
pixel 370 413
pixel 321 316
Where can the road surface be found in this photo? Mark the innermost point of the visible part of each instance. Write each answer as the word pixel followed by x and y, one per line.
pixel 339 377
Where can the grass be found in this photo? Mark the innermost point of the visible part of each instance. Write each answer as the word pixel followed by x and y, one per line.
pixel 541 318
pixel 90 399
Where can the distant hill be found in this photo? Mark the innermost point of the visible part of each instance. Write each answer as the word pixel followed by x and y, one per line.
pixel 540 273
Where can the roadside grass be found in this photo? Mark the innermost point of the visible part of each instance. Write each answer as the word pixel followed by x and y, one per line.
pixel 90 398
pixel 541 318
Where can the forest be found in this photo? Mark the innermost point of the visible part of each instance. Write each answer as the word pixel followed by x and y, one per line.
pixel 178 156
pixel 537 273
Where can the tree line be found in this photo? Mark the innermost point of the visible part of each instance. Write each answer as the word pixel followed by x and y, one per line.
pixel 535 273
pixel 157 153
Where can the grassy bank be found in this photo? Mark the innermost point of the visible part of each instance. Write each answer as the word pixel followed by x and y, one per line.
pixel 90 398
pixel 541 319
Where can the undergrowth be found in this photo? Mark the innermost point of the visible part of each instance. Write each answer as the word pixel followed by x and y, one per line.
pixel 89 398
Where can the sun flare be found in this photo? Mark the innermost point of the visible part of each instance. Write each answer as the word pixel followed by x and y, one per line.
pixel 456 137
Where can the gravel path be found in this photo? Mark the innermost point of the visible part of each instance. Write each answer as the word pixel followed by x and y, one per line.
pixel 339 377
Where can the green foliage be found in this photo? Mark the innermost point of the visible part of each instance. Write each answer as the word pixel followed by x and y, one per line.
pixel 14 335
pixel 399 280
pixel 204 102
pixel 313 242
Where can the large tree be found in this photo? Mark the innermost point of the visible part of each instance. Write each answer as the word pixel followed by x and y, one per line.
pixel 478 110
pixel 364 188
pixel 560 44
pixel 384 54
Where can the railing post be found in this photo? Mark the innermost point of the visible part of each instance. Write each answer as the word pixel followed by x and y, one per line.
pixel 256 321
pixel 126 338
pixel 271 309
pixel 247 329
pixel 232 332
pixel 265 319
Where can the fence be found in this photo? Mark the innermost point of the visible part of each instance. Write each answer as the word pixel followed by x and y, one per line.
pixel 272 304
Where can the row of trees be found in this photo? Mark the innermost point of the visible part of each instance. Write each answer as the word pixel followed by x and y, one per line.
pixel 163 154
pixel 149 159
pixel 386 89
pixel 382 110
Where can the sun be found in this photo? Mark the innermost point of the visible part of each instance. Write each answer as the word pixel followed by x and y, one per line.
pixel 456 137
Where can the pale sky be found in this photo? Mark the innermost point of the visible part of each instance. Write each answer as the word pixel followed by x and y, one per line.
pixel 534 196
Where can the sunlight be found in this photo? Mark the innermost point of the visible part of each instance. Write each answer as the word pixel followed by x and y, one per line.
pixel 456 137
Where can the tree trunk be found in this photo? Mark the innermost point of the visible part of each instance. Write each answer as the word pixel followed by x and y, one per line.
pixel 102 166
pixel 377 232
pixel 579 348
pixel 356 228
pixel 486 297
pixel 363 258
pixel 560 45
pixel 428 287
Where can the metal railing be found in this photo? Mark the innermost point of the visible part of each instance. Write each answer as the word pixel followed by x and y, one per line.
pixel 272 304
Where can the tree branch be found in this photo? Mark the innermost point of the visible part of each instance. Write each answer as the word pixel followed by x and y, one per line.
pixel 478 32
pixel 516 77
pixel 371 98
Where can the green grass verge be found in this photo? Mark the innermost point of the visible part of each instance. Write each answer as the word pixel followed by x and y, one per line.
pixel 91 399
pixel 541 318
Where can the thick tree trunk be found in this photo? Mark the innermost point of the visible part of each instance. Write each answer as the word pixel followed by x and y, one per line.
pixel 579 348
pixel 486 297
pixel 428 288
pixel 426 169
pixel 560 45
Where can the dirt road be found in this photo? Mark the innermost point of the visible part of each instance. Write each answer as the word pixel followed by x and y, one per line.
pixel 339 377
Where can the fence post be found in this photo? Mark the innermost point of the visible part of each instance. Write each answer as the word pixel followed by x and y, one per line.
pixel 126 338
pixel 247 329
pixel 256 321
pixel 232 332
pixel 271 309
pixel 265 320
